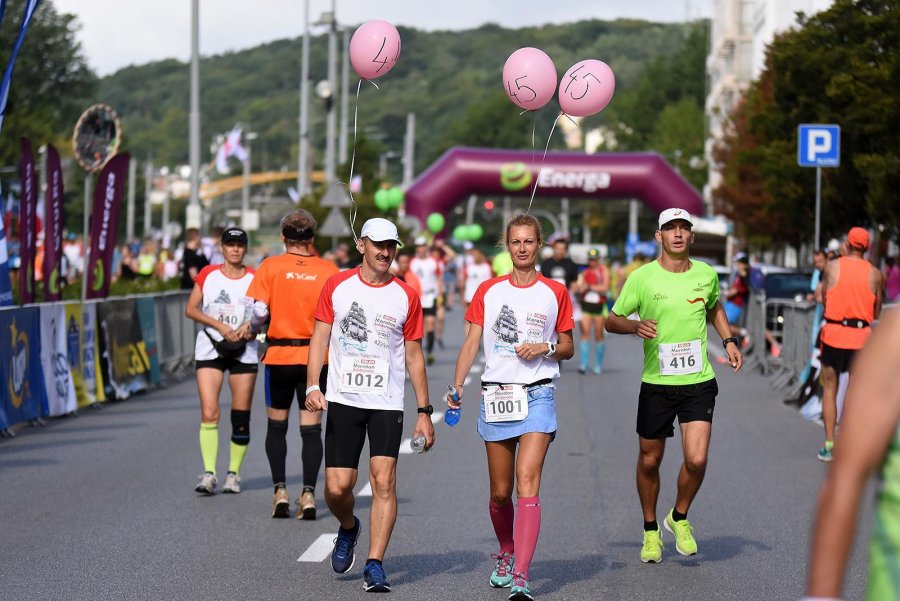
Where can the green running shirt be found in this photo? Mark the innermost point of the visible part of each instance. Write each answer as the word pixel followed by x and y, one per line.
pixel 678 302
pixel 884 547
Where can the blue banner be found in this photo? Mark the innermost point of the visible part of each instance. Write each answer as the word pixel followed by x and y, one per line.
pixel 6 295
pixel 30 8
pixel 146 309
pixel 21 375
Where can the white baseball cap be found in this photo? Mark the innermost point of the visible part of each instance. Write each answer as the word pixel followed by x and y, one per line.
pixel 379 230
pixel 673 214
pixel 420 241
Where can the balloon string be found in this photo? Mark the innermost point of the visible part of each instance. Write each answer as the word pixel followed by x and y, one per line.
pixel 354 209
pixel 543 158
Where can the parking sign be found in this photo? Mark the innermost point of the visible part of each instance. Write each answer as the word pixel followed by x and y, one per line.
pixel 819 145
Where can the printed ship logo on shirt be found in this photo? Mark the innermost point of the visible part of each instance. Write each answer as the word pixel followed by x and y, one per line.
pixel 353 325
pixel 223 298
pixel 506 327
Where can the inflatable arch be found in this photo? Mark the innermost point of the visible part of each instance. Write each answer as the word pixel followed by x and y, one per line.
pixel 463 171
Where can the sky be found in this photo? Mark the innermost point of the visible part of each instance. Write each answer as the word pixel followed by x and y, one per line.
pixel 115 34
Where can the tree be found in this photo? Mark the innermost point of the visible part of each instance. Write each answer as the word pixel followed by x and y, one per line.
pixel 51 81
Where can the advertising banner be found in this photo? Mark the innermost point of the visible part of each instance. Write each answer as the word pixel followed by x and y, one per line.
pixel 104 221
pixel 6 295
pixel 27 223
pixel 53 227
pixel 123 353
pixel 146 308
pixel 21 376
pixel 55 361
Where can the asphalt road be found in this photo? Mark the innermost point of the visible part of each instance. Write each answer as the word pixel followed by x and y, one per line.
pixel 101 506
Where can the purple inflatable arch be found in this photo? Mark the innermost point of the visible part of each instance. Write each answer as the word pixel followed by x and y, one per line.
pixel 463 171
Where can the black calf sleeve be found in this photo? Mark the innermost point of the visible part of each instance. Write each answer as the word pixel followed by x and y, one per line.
pixel 429 342
pixel 312 453
pixel 240 427
pixel 276 448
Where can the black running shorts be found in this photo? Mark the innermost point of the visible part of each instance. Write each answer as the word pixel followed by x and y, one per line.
pixel 430 311
pixel 345 434
pixel 837 358
pixel 233 366
pixel 659 405
pixel 283 381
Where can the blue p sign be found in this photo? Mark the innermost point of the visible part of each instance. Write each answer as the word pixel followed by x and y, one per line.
pixel 819 146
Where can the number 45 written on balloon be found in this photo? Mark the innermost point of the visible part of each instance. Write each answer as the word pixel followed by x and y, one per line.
pixel 574 76
pixel 519 88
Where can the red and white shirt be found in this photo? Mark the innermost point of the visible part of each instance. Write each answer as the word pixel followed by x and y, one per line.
pixel 428 270
pixel 475 274
pixel 225 300
pixel 511 315
pixel 369 329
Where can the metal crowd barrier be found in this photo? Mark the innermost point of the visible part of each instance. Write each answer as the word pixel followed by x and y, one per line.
pixel 756 356
pixel 175 333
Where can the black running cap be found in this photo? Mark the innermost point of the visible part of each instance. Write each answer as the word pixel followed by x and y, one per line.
pixel 235 234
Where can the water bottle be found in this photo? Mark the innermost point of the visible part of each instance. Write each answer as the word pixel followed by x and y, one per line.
pixel 451 418
pixel 417 444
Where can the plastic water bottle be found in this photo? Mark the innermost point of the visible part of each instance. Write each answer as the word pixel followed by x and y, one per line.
pixel 451 418
pixel 417 444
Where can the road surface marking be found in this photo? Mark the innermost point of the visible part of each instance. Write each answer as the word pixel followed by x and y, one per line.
pixel 319 550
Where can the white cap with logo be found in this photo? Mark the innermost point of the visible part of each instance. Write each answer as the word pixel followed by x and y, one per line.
pixel 378 229
pixel 674 214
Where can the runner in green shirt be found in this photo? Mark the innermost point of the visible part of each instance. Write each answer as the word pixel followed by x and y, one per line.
pixel 673 297
pixel 870 436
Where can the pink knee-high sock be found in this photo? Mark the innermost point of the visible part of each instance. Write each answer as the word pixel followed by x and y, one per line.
pixel 528 526
pixel 502 517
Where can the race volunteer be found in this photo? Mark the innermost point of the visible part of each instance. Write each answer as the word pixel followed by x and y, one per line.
pixel 286 289
pixel 428 270
pixel 853 290
pixel 674 297
pixel 372 324
pixel 526 320
pixel 592 288
pixel 870 438
pixel 218 301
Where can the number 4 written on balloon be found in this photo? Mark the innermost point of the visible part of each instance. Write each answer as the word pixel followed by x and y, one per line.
pixel 587 85
pixel 383 62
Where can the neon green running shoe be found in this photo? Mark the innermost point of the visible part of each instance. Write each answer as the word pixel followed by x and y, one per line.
pixel 503 573
pixel 651 550
pixel 684 535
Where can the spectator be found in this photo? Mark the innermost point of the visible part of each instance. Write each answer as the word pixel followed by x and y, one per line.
pixel 193 259
pixel 737 295
pixel 211 246
pixel 146 260
pixel 891 279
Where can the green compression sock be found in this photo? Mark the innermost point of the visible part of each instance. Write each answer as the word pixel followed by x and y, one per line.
pixel 209 445
pixel 238 451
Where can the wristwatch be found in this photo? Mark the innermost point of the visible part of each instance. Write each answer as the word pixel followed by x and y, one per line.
pixel 730 339
pixel 551 348
pixel 427 410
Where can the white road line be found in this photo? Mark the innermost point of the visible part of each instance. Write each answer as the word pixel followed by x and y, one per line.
pixel 319 550
pixel 365 491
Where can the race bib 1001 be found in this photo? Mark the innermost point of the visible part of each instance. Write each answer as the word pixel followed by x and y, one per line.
pixel 365 375
pixel 507 403
pixel 680 358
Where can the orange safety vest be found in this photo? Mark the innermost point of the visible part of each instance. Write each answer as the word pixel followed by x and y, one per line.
pixel 851 298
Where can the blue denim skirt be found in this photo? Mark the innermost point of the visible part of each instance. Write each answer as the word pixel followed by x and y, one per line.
pixel 541 417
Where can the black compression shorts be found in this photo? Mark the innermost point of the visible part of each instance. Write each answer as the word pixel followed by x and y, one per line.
pixel 284 381
pixel 233 366
pixel 346 429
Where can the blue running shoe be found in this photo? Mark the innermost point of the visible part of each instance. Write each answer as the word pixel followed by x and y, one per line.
pixel 520 590
pixel 503 573
pixel 342 556
pixel 374 578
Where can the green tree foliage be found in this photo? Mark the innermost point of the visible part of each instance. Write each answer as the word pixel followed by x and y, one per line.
pixel 840 66
pixel 50 83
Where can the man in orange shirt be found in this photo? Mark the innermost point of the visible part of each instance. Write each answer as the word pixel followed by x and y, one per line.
pixel 853 289
pixel 286 290
pixel 403 272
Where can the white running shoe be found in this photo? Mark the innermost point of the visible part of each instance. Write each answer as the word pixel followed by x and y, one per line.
pixel 207 484
pixel 232 483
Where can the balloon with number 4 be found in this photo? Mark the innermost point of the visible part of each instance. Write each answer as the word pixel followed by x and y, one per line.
pixel 529 78
pixel 586 88
pixel 374 49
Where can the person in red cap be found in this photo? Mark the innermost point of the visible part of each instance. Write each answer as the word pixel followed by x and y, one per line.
pixel 852 290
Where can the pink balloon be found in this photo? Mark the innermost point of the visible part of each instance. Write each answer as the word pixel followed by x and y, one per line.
pixel 586 88
pixel 529 77
pixel 374 49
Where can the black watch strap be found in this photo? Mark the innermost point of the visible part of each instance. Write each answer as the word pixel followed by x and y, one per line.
pixel 427 410
pixel 730 339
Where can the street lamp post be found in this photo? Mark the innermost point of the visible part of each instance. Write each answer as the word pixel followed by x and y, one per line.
pixel 193 213
pixel 245 192
pixel 303 158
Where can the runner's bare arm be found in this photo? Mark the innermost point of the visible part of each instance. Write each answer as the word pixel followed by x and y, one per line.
pixel 616 324
pixel 415 365
pixel 467 354
pixel 719 319
pixel 871 413
pixel 318 344
pixel 876 282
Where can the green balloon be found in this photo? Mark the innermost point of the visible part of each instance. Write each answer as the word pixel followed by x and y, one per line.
pixel 459 232
pixel 435 222
pixel 382 200
pixel 475 231
pixel 503 263
pixel 395 197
